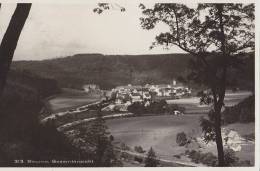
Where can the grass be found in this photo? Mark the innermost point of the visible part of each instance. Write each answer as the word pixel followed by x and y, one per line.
pixel 192 104
pixel 70 98
pixel 160 133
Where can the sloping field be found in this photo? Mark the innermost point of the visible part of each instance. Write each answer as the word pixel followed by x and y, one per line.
pixel 71 99
pixel 158 132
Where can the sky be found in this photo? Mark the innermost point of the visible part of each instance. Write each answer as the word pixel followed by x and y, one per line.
pixel 59 30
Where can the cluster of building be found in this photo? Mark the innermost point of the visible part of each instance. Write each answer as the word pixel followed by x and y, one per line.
pixel 138 93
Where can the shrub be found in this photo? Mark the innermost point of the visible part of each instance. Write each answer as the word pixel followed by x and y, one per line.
pixel 151 160
pixel 126 156
pixel 136 108
pixel 230 157
pixel 242 112
pixel 177 156
pixel 123 146
pixel 138 159
pixel 181 139
pixel 157 107
pixel 171 108
pixel 139 149
pixel 250 137
pixel 210 159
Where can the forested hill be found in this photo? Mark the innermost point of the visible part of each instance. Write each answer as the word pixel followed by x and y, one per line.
pixel 21 134
pixel 109 71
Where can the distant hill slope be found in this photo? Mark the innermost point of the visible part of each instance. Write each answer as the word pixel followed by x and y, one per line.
pixel 109 71
pixel 21 134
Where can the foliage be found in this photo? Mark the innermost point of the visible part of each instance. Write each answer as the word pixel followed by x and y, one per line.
pixel 210 159
pixel 157 107
pixel 138 159
pixel 181 139
pixel 97 137
pixel 151 160
pixel 230 157
pixel 137 108
pixel 250 137
pixel 217 40
pixel 139 149
pixel 21 134
pixel 108 71
pixel 107 6
pixel 45 87
pixel 242 112
pixel 123 146
pixel 207 126
pixel 171 108
pixel 114 70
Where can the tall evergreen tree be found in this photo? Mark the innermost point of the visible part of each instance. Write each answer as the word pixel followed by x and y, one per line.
pixel 151 160
pixel 100 140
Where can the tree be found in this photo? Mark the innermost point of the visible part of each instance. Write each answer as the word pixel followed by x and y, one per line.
pixel 181 139
pixel 10 40
pixel 219 36
pixel 107 6
pixel 151 160
pixel 100 140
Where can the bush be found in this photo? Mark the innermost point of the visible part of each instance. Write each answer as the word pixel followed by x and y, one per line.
pixel 139 149
pixel 171 108
pixel 242 112
pixel 151 160
pixel 177 156
pixel 181 139
pixel 210 159
pixel 250 137
pixel 158 107
pixel 155 108
pixel 123 146
pixel 136 108
pixel 138 159
pixel 230 157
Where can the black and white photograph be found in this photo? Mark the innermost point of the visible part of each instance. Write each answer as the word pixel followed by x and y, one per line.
pixel 128 84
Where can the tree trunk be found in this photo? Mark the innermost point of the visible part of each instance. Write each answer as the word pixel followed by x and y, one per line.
pixel 10 39
pixel 219 142
pixel 222 89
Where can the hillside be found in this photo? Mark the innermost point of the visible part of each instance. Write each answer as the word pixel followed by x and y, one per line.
pixel 109 71
pixel 21 134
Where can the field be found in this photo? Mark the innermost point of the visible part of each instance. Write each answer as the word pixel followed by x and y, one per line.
pixel 193 106
pixel 160 132
pixel 71 99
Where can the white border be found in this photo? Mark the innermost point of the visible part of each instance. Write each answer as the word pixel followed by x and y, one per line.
pixel 257 77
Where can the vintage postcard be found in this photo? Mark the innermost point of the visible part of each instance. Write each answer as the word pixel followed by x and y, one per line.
pixel 129 84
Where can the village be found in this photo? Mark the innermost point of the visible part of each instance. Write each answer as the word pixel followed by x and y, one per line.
pixel 124 96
